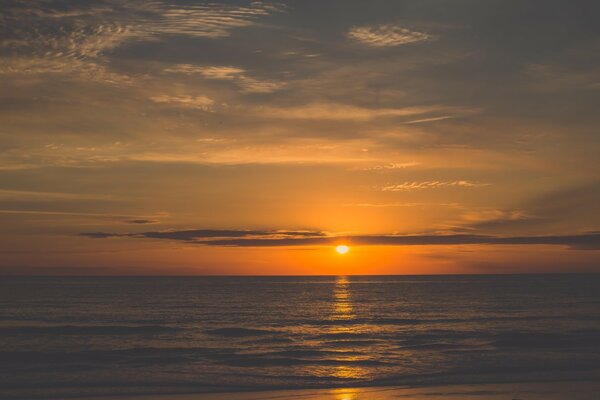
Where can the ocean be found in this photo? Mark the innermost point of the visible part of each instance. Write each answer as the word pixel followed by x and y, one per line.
pixel 90 336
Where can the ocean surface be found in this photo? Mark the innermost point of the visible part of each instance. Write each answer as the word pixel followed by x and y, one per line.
pixel 72 336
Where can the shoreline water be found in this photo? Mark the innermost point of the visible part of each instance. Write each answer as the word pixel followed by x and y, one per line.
pixel 568 389
pixel 564 390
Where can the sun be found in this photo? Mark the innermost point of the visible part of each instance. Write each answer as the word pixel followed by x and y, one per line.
pixel 342 249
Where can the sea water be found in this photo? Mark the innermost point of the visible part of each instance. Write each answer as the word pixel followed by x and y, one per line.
pixel 88 336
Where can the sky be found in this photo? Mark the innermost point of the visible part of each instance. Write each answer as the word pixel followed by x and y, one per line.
pixel 191 137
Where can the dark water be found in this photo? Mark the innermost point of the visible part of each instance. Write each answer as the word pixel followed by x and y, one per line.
pixel 90 336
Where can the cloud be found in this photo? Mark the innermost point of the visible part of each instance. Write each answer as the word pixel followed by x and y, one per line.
pixel 27 195
pixel 200 102
pixel 222 72
pixel 584 241
pixel 252 85
pixel 229 73
pixel 73 50
pixel 386 35
pixel 491 216
pixel 142 221
pixel 381 205
pixel 278 238
pixel 432 119
pixel 410 186
pixel 558 209
pixel 338 111
pixel 210 20
pixel 65 214
pixel 38 39
pixel 391 166
pixel 561 78
pixel 196 235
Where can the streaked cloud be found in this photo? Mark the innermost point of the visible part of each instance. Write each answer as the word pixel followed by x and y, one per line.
pixel 380 205
pixel 555 209
pixel 338 111
pixel 195 235
pixel 432 119
pixel 249 238
pixel 26 195
pixel 391 166
pixel 142 221
pixel 386 35
pixel 63 214
pixel 229 73
pixel 200 102
pixel 41 39
pixel 493 215
pixel 557 78
pixel 211 20
pixel 410 186
pixel 222 72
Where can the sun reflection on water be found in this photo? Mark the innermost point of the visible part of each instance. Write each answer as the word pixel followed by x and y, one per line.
pixel 339 340
pixel 343 311
pixel 342 301
pixel 344 394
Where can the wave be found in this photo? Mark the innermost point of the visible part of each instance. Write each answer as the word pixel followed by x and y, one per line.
pixel 92 358
pixel 87 330
pixel 429 321
pixel 588 338
pixel 268 361
pixel 351 343
pixel 238 332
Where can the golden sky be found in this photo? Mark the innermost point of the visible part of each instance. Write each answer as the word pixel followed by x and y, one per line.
pixel 172 137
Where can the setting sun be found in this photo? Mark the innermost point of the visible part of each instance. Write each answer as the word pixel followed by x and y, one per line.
pixel 342 249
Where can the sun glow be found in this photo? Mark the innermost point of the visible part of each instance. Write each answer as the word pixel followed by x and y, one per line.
pixel 342 249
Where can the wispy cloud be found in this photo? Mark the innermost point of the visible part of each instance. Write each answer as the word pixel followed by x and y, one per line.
pixel 410 186
pixel 432 119
pixel 391 166
pixel 78 50
pixel 229 73
pixel 63 214
pixel 338 111
pixel 490 216
pixel 196 235
pixel 142 221
pixel 41 39
pixel 26 195
pixel 386 35
pixel 211 20
pixel 556 78
pixel 222 72
pixel 380 205
pixel 200 102
pixel 278 238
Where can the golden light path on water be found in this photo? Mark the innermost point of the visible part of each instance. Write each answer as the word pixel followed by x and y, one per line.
pixel 342 301
pixel 342 310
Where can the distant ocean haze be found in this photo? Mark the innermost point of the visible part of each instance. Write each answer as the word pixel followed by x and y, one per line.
pixel 90 336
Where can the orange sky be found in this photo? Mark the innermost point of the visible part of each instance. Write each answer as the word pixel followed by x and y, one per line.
pixel 432 137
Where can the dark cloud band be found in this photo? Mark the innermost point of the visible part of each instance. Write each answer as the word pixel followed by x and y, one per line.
pixel 258 238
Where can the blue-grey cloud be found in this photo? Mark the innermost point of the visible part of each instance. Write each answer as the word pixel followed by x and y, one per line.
pixel 142 221
pixel 280 238
pixel 549 210
pixel 199 235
